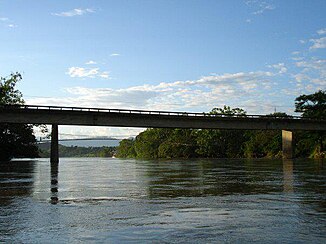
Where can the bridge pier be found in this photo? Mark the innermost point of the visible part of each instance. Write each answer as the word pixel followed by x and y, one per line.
pixel 287 144
pixel 54 158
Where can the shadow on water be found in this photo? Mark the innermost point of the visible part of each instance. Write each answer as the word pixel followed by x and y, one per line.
pixel 200 178
pixel 16 180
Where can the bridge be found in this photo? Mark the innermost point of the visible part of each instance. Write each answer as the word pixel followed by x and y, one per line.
pixel 55 115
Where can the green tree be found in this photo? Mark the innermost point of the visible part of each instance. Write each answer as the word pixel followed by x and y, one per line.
pixel 264 143
pixel 209 143
pixel 313 106
pixel 126 149
pixel 180 143
pixel 16 140
pixel 148 142
pixel 228 111
pixel 222 143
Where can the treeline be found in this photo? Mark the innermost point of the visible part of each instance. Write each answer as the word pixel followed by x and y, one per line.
pixel 74 151
pixel 215 143
pixel 193 143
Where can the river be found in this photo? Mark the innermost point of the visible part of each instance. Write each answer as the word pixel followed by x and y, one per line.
pixel 101 200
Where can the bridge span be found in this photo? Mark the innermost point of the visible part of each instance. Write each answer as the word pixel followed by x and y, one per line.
pixel 32 114
pixel 55 115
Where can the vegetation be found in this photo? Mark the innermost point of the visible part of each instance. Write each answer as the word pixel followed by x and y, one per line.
pixel 74 151
pixel 16 140
pixel 312 106
pixel 192 143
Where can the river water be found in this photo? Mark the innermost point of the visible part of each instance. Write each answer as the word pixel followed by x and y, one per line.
pixel 96 200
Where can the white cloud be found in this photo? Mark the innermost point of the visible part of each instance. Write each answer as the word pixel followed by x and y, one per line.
pixel 81 72
pixel 280 67
pixel 312 71
pixel 297 58
pixel 4 19
pixel 301 77
pixel 7 22
pixel 91 62
pixel 314 64
pixel 318 43
pixel 201 94
pixel 104 75
pixel 114 54
pixel 74 12
pixel 264 8
pixel 321 31
pixel 295 53
pixel 302 41
pixel 259 7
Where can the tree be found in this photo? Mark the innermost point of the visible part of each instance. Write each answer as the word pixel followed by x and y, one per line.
pixel 265 143
pixel 181 143
pixel 148 142
pixel 313 106
pixel 228 111
pixel 126 149
pixel 221 143
pixel 16 140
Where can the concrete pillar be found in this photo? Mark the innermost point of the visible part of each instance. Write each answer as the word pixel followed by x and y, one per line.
pixel 287 144
pixel 54 145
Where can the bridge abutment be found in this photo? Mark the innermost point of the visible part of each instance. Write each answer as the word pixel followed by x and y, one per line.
pixel 287 144
pixel 54 159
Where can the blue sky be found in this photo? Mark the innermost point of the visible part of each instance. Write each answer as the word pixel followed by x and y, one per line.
pixel 166 55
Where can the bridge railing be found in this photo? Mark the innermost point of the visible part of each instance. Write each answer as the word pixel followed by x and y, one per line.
pixel 145 112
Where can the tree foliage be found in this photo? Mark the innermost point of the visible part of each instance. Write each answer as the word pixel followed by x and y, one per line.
pixel 8 92
pixel 126 149
pixel 228 111
pixel 16 140
pixel 312 106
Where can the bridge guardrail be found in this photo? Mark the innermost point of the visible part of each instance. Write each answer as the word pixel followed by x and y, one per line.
pixel 145 112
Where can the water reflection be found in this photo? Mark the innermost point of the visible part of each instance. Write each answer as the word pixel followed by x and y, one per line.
pixel 288 178
pixel 196 178
pixel 16 180
pixel 54 183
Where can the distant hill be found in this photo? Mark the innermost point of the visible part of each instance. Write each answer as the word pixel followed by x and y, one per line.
pixel 75 151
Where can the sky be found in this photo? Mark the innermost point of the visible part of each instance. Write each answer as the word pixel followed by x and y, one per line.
pixel 177 55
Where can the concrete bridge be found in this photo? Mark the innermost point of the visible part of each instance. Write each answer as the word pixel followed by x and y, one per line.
pixel 54 115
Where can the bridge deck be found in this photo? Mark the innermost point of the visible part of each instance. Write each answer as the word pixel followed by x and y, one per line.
pixel 34 114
